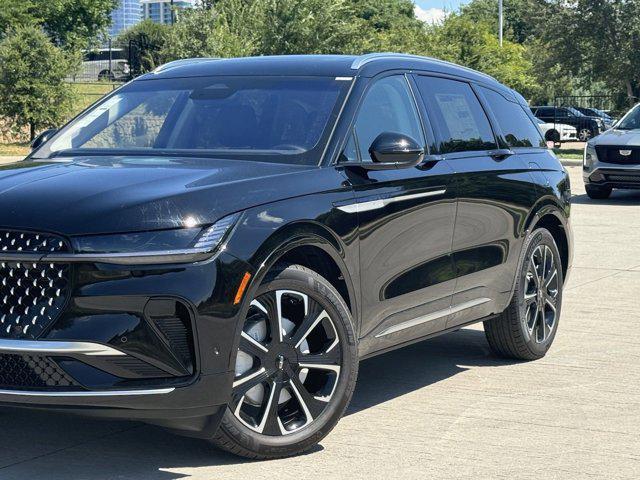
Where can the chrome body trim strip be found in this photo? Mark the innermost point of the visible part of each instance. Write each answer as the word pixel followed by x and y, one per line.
pixel 433 316
pixel 104 393
pixel 137 258
pixel 383 202
pixel 58 348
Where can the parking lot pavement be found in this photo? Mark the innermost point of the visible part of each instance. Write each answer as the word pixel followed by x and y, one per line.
pixel 444 408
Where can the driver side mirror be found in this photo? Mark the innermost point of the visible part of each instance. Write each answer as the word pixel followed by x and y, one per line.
pixel 391 150
pixel 42 138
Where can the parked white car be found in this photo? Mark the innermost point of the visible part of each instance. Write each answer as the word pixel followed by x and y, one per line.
pixel 104 65
pixel 558 132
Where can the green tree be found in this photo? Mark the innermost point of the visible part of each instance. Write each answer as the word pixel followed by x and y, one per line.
pixel 475 45
pixel 147 41
pixel 70 23
pixel 224 31
pixel 598 41
pixel 32 72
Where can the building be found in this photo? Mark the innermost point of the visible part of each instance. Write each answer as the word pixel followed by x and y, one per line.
pixel 126 15
pixel 159 11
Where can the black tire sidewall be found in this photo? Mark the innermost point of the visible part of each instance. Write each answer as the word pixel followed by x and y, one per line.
pixel 539 237
pixel 310 283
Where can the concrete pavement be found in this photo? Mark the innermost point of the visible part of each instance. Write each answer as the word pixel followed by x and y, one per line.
pixel 444 408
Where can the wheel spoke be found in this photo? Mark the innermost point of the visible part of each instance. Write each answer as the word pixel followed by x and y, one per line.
pixel 270 421
pixel 313 360
pixel 252 346
pixel 246 382
pixel 279 295
pixel 311 406
pixel 310 322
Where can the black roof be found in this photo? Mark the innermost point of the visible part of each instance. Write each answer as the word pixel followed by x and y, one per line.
pixel 368 65
pixel 314 65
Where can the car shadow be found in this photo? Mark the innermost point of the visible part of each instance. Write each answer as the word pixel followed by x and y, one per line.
pixel 618 197
pixel 40 444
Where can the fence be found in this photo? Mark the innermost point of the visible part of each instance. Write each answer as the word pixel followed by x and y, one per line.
pixel 611 104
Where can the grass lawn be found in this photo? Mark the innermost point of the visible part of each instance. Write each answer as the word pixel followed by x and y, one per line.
pixel 88 93
pixel 569 153
pixel 14 149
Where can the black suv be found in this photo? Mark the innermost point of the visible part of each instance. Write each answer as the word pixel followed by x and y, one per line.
pixel 215 246
pixel 587 127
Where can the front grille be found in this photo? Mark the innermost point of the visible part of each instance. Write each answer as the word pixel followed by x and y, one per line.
pixel 32 294
pixel 31 242
pixel 623 178
pixel 611 154
pixel 32 372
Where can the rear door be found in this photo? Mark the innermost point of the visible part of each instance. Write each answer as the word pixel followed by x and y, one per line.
pixel 406 219
pixel 495 193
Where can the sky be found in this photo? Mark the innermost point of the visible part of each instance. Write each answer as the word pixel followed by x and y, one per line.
pixel 435 10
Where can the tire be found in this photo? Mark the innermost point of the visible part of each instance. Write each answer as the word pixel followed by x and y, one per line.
pixel 552 136
pixel 598 193
pixel 106 75
pixel 244 430
pixel 521 331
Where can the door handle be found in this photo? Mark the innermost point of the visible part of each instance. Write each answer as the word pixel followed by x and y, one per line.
pixel 501 153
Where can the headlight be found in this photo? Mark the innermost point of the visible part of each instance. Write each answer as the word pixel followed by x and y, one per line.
pixel 590 156
pixel 180 240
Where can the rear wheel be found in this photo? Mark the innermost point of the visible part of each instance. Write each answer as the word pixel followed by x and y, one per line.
pixel 585 134
pixel 598 193
pixel 527 328
pixel 296 367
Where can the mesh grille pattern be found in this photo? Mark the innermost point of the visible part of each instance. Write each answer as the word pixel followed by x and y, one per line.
pixel 32 294
pixel 611 154
pixel 27 371
pixel 624 178
pixel 30 242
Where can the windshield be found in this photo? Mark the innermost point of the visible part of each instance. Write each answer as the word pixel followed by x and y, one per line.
pixel 277 119
pixel 631 120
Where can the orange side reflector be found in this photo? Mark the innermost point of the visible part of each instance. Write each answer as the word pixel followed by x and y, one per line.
pixel 242 288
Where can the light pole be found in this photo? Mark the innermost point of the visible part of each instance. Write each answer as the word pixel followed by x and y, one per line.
pixel 500 22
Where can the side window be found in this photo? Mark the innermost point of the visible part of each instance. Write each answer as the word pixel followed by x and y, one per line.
pixel 387 107
pixel 562 113
pixel 459 117
pixel 516 125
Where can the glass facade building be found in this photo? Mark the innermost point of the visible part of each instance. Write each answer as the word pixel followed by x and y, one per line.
pixel 159 11
pixel 127 14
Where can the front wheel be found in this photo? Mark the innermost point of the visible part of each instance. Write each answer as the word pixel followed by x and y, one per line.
pixel 527 328
pixel 296 367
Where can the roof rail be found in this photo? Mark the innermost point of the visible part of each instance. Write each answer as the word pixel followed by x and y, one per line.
pixel 183 62
pixel 362 60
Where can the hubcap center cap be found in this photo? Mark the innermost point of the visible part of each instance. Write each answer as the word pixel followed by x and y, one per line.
pixel 280 362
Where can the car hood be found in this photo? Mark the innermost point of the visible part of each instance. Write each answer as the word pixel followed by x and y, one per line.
pixel 618 137
pixel 93 195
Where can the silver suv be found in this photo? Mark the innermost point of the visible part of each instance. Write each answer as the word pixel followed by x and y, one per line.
pixel 612 159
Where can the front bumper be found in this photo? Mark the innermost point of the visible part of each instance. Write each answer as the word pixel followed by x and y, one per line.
pixel 615 176
pixel 141 342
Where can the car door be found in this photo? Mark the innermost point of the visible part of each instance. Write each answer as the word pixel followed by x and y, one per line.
pixel 494 194
pixel 405 218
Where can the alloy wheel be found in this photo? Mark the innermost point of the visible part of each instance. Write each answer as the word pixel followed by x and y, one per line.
pixel 541 294
pixel 288 363
pixel 584 134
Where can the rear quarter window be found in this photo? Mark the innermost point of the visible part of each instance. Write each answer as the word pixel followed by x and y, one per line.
pixel 517 127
